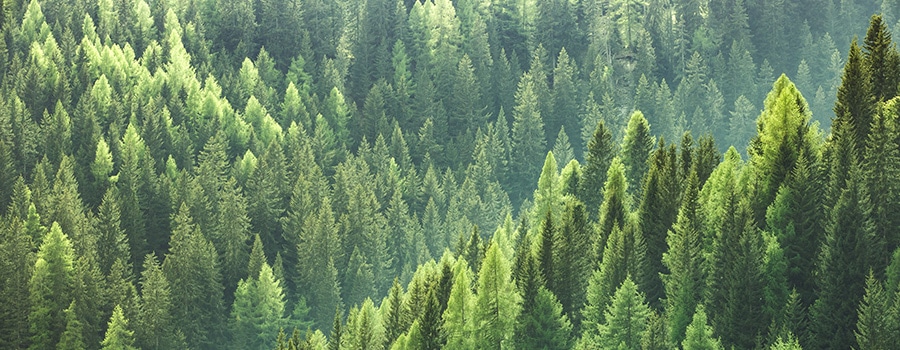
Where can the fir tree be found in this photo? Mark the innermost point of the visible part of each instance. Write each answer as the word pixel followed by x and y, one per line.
pixel 51 288
pixel 699 335
pixel 496 304
pixel 118 336
pixel 636 147
pixel 599 155
pixel 626 318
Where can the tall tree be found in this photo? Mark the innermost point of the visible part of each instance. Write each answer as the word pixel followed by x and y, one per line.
pixel 599 155
pixel 843 264
pixel 118 335
pixel 626 318
pixel 528 142
pixel 685 262
pixel 156 327
pixel 636 148
pixel 496 303
pixel 258 311
pixel 192 269
pixel 51 288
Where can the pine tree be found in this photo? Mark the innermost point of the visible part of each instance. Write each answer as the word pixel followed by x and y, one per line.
pixel 459 317
pixel 784 132
pixel 258 311
pixel 192 270
pixel 843 264
pixel 881 60
pixel 626 318
pixel 636 148
pixel 118 336
pixel 615 208
pixel 699 335
pixel 657 212
pixel 72 337
pixel 685 262
pixel 874 326
pixel 156 326
pixel 599 155
pixel 496 303
pixel 51 288
pixel 528 142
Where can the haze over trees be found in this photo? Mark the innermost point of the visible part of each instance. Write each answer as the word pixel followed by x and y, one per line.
pixel 373 174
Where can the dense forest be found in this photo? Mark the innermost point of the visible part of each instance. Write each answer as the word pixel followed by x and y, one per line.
pixel 459 174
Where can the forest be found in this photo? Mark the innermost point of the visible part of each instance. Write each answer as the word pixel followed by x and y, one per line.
pixel 449 174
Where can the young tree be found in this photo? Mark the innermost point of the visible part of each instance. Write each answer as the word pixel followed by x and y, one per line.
pixel 699 334
pixel 51 288
pixel 626 318
pixel 118 335
pixel 685 261
pixel 636 148
pixel 496 304
pixel 258 311
pixel 459 317
pixel 599 155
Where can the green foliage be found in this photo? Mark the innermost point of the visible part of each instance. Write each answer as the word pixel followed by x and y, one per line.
pixel 496 302
pixel 51 288
pixel 118 335
pixel 699 334
pixel 258 311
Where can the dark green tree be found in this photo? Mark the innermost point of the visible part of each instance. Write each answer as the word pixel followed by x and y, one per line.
pixel 636 148
pixel 600 151
pixel 192 269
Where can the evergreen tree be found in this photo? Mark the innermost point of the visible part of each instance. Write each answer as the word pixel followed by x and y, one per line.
pixel 626 318
pixel 615 208
pixel 459 327
pixel 156 326
pixel 875 328
pixel 854 107
pixel 881 60
pixel 636 148
pixel 600 152
pixel 496 303
pixel 192 270
pixel 528 140
pixel 657 212
pixel 699 335
pixel 118 336
pixel 843 263
pixel 72 337
pixel 783 133
pixel 51 288
pixel 684 260
pixel 258 311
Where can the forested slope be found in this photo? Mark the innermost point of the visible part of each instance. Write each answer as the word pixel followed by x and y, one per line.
pixel 375 174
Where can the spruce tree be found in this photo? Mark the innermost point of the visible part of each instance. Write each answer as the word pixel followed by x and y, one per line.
pixel 191 267
pixel 881 59
pixel 684 260
pixel 528 141
pixel 156 326
pixel 496 303
pixel 626 318
pixel 459 317
pixel 118 335
pixel 636 147
pixel 657 212
pixel 875 328
pixel 72 338
pixel 599 155
pixel 842 266
pixel 51 288
pixel 615 208
pixel 258 311
pixel 699 334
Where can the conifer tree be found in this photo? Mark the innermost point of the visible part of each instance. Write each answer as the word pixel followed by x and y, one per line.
pixel 684 261
pixel 528 142
pixel 636 148
pixel 881 172
pixel 626 318
pixel 258 311
pixel 657 212
pixel 854 107
pixel 573 266
pixel 72 338
pixel 155 327
pixel 699 334
pixel 783 133
pixel 843 264
pixel 51 288
pixel 599 155
pixel 881 59
pixel 192 270
pixel 16 262
pixel 615 208
pixel 118 335
pixel 875 328
pixel 459 318
pixel 496 303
